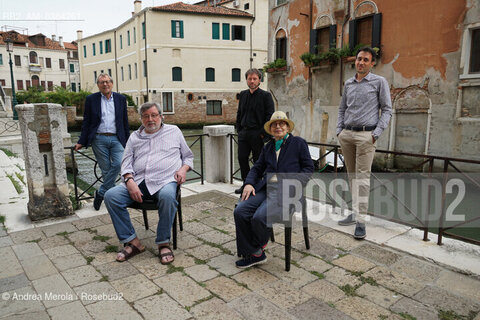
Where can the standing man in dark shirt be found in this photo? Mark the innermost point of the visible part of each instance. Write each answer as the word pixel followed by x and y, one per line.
pixel 255 107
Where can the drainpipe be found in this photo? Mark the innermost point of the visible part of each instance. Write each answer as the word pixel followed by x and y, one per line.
pixel 391 138
pixel 116 62
pixel 251 32
pixel 429 121
pixel 310 94
pixel 458 111
pixel 345 20
pixel 146 61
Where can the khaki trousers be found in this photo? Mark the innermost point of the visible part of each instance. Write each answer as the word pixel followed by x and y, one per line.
pixel 358 150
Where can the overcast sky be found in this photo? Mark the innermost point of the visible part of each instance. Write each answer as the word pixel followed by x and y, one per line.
pixel 65 17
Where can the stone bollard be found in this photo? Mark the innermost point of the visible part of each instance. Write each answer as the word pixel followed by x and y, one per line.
pixel 41 128
pixel 217 153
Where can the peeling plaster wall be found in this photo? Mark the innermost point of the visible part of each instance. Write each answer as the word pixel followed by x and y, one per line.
pixel 421 50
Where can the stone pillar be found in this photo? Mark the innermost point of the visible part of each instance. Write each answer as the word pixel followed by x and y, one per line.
pixel 217 153
pixel 41 127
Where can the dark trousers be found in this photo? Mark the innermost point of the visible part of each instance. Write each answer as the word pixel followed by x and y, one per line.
pixel 248 141
pixel 251 225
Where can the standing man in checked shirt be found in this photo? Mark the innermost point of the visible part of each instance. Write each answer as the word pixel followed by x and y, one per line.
pixel 155 160
pixel 105 128
pixel 364 113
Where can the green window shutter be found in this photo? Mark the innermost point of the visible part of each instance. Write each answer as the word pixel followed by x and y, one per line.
pixel 176 74
pixel 243 33
pixel 313 41
pixel 144 31
pixel 72 67
pixel 235 75
pixel 333 36
pixel 173 29
pixel 352 33
pixel 376 30
pixel 181 29
pixel 226 31
pixel 210 74
pixel 215 31
pixel 101 47
pixel 84 51
pixel 93 48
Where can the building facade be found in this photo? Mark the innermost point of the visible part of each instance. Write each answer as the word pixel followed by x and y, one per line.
pixel 189 58
pixel 37 61
pixel 429 52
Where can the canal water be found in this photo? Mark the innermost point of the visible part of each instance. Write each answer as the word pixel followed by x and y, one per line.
pixel 86 165
pixel 469 204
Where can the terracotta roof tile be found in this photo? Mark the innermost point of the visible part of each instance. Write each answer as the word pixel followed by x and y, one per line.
pixel 190 8
pixel 22 40
pixel 70 46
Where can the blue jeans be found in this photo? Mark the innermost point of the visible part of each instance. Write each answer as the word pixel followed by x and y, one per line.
pixel 117 199
pixel 109 152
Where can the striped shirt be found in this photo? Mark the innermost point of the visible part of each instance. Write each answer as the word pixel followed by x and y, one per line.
pixel 107 122
pixel 156 157
pixel 361 101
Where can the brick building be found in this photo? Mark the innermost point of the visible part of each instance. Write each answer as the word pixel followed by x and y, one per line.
pixel 189 58
pixel 429 52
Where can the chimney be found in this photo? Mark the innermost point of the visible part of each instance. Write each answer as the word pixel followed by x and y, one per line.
pixel 79 34
pixel 137 4
pixel 60 41
pixel 54 38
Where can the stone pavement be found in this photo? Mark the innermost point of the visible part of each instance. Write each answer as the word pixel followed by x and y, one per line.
pixel 68 271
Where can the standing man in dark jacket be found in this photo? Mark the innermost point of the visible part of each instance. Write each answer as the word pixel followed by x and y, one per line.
pixel 105 128
pixel 255 107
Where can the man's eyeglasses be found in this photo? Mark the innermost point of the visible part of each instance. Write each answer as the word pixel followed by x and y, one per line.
pixel 148 116
pixel 104 82
pixel 279 124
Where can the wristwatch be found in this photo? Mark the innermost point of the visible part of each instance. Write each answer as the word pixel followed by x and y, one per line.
pixel 126 179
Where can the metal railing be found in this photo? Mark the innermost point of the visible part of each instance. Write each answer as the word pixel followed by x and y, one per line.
pixel 84 195
pixel 425 164
pixel 8 126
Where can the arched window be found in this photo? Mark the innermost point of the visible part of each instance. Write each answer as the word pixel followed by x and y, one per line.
pixel 33 57
pixel 176 74
pixel 281 45
pixel 35 81
pixel 210 74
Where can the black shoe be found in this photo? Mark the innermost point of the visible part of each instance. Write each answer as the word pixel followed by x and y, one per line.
pixel 97 201
pixel 347 221
pixel 251 261
pixel 360 231
pixel 239 190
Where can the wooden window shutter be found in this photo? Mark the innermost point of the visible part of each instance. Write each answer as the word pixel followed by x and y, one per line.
pixel 278 52
pixel 333 36
pixel 243 33
pixel 173 29
pixel 376 30
pixel 313 41
pixel 181 29
pixel 352 33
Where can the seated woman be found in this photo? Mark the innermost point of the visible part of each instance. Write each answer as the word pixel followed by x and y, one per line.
pixel 257 209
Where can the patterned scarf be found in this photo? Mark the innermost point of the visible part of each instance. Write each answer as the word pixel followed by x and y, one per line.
pixel 279 143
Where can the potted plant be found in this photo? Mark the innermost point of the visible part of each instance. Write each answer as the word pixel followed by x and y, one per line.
pixel 276 66
pixel 329 57
pixel 349 54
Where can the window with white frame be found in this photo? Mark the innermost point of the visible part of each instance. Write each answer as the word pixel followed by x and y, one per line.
pixel 167 102
pixel 214 108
